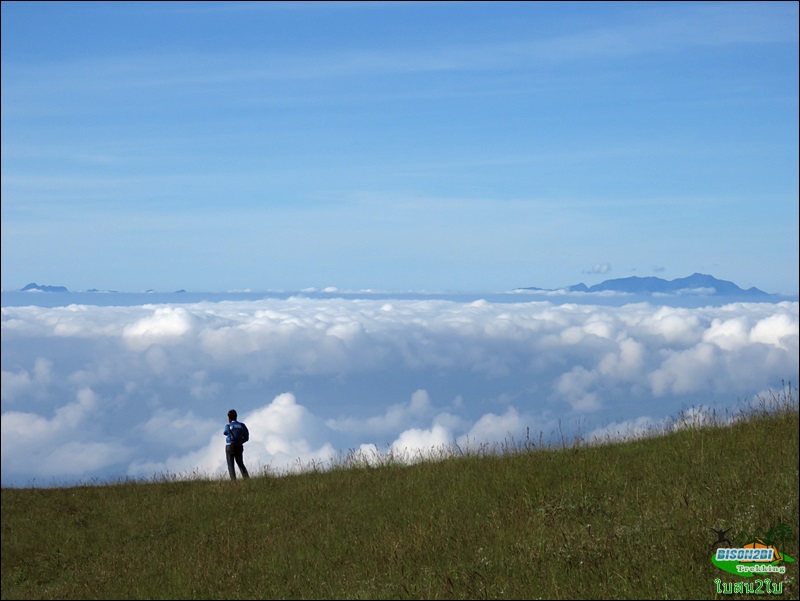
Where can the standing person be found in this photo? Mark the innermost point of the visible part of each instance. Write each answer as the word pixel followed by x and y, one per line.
pixel 236 434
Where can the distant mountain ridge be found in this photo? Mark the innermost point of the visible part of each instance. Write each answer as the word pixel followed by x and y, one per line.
pixel 697 283
pixel 33 287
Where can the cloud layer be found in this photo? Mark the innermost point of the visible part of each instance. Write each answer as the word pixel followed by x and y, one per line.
pixel 92 393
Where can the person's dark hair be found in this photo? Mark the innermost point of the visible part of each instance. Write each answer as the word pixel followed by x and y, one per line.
pixel 232 414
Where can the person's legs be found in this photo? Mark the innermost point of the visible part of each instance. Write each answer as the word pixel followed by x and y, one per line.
pixel 240 460
pixel 229 455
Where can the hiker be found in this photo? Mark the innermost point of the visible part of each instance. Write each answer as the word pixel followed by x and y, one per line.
pixel 236 434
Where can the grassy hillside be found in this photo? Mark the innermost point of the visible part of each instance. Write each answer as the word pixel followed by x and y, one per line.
pixel 627 520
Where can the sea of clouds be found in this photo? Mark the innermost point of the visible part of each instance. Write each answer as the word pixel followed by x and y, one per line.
pixel 95 393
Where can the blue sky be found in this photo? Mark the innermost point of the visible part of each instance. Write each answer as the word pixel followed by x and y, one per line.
pixel 425 146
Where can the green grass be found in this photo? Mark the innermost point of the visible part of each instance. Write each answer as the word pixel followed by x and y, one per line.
pixel 624 520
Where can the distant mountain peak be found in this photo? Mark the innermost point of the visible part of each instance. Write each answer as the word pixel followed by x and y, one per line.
pixel 697 283
pixel 34 287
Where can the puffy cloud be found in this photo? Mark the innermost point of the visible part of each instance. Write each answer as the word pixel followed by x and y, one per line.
pixel 599 268
pixel 167 325
pixel 686 371
pixel 417 443
pixel 178 429
pixel 728 334
pixel 506 429
pixel 576 386
pixel 778 330
pixel 60 447
pixel 14 383
pixel 625 430
pixel 76 458
pixel 147 387
pixel 395 418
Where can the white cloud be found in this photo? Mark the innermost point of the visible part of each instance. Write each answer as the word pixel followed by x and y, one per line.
pixel 167 325
pixel 729 334
pixel 14 383
pixel 59 448
pixel 395 418
pixel 686 371
pixel 676 326
pixel 179 430
pixel 600 268
pixel 76 458
pixel 420 402
pixel 417 443
pixel 502 429
pixel 626 430
pixel 576 387
pixel 147 387
pixel 778 330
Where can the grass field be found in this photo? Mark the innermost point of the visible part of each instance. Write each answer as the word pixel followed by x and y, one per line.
pixel 618 520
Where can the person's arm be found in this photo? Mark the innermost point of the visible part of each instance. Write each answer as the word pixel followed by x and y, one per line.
pixel 227 430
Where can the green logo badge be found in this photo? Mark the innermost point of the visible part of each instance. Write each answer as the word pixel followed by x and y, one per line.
pixel 748 555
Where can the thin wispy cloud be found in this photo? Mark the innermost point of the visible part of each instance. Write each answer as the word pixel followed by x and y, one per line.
pixel 601 268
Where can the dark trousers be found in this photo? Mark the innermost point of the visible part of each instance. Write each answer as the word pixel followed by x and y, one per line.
pixel 235 453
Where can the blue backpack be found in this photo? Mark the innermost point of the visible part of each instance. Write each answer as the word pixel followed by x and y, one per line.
pixel 239 433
